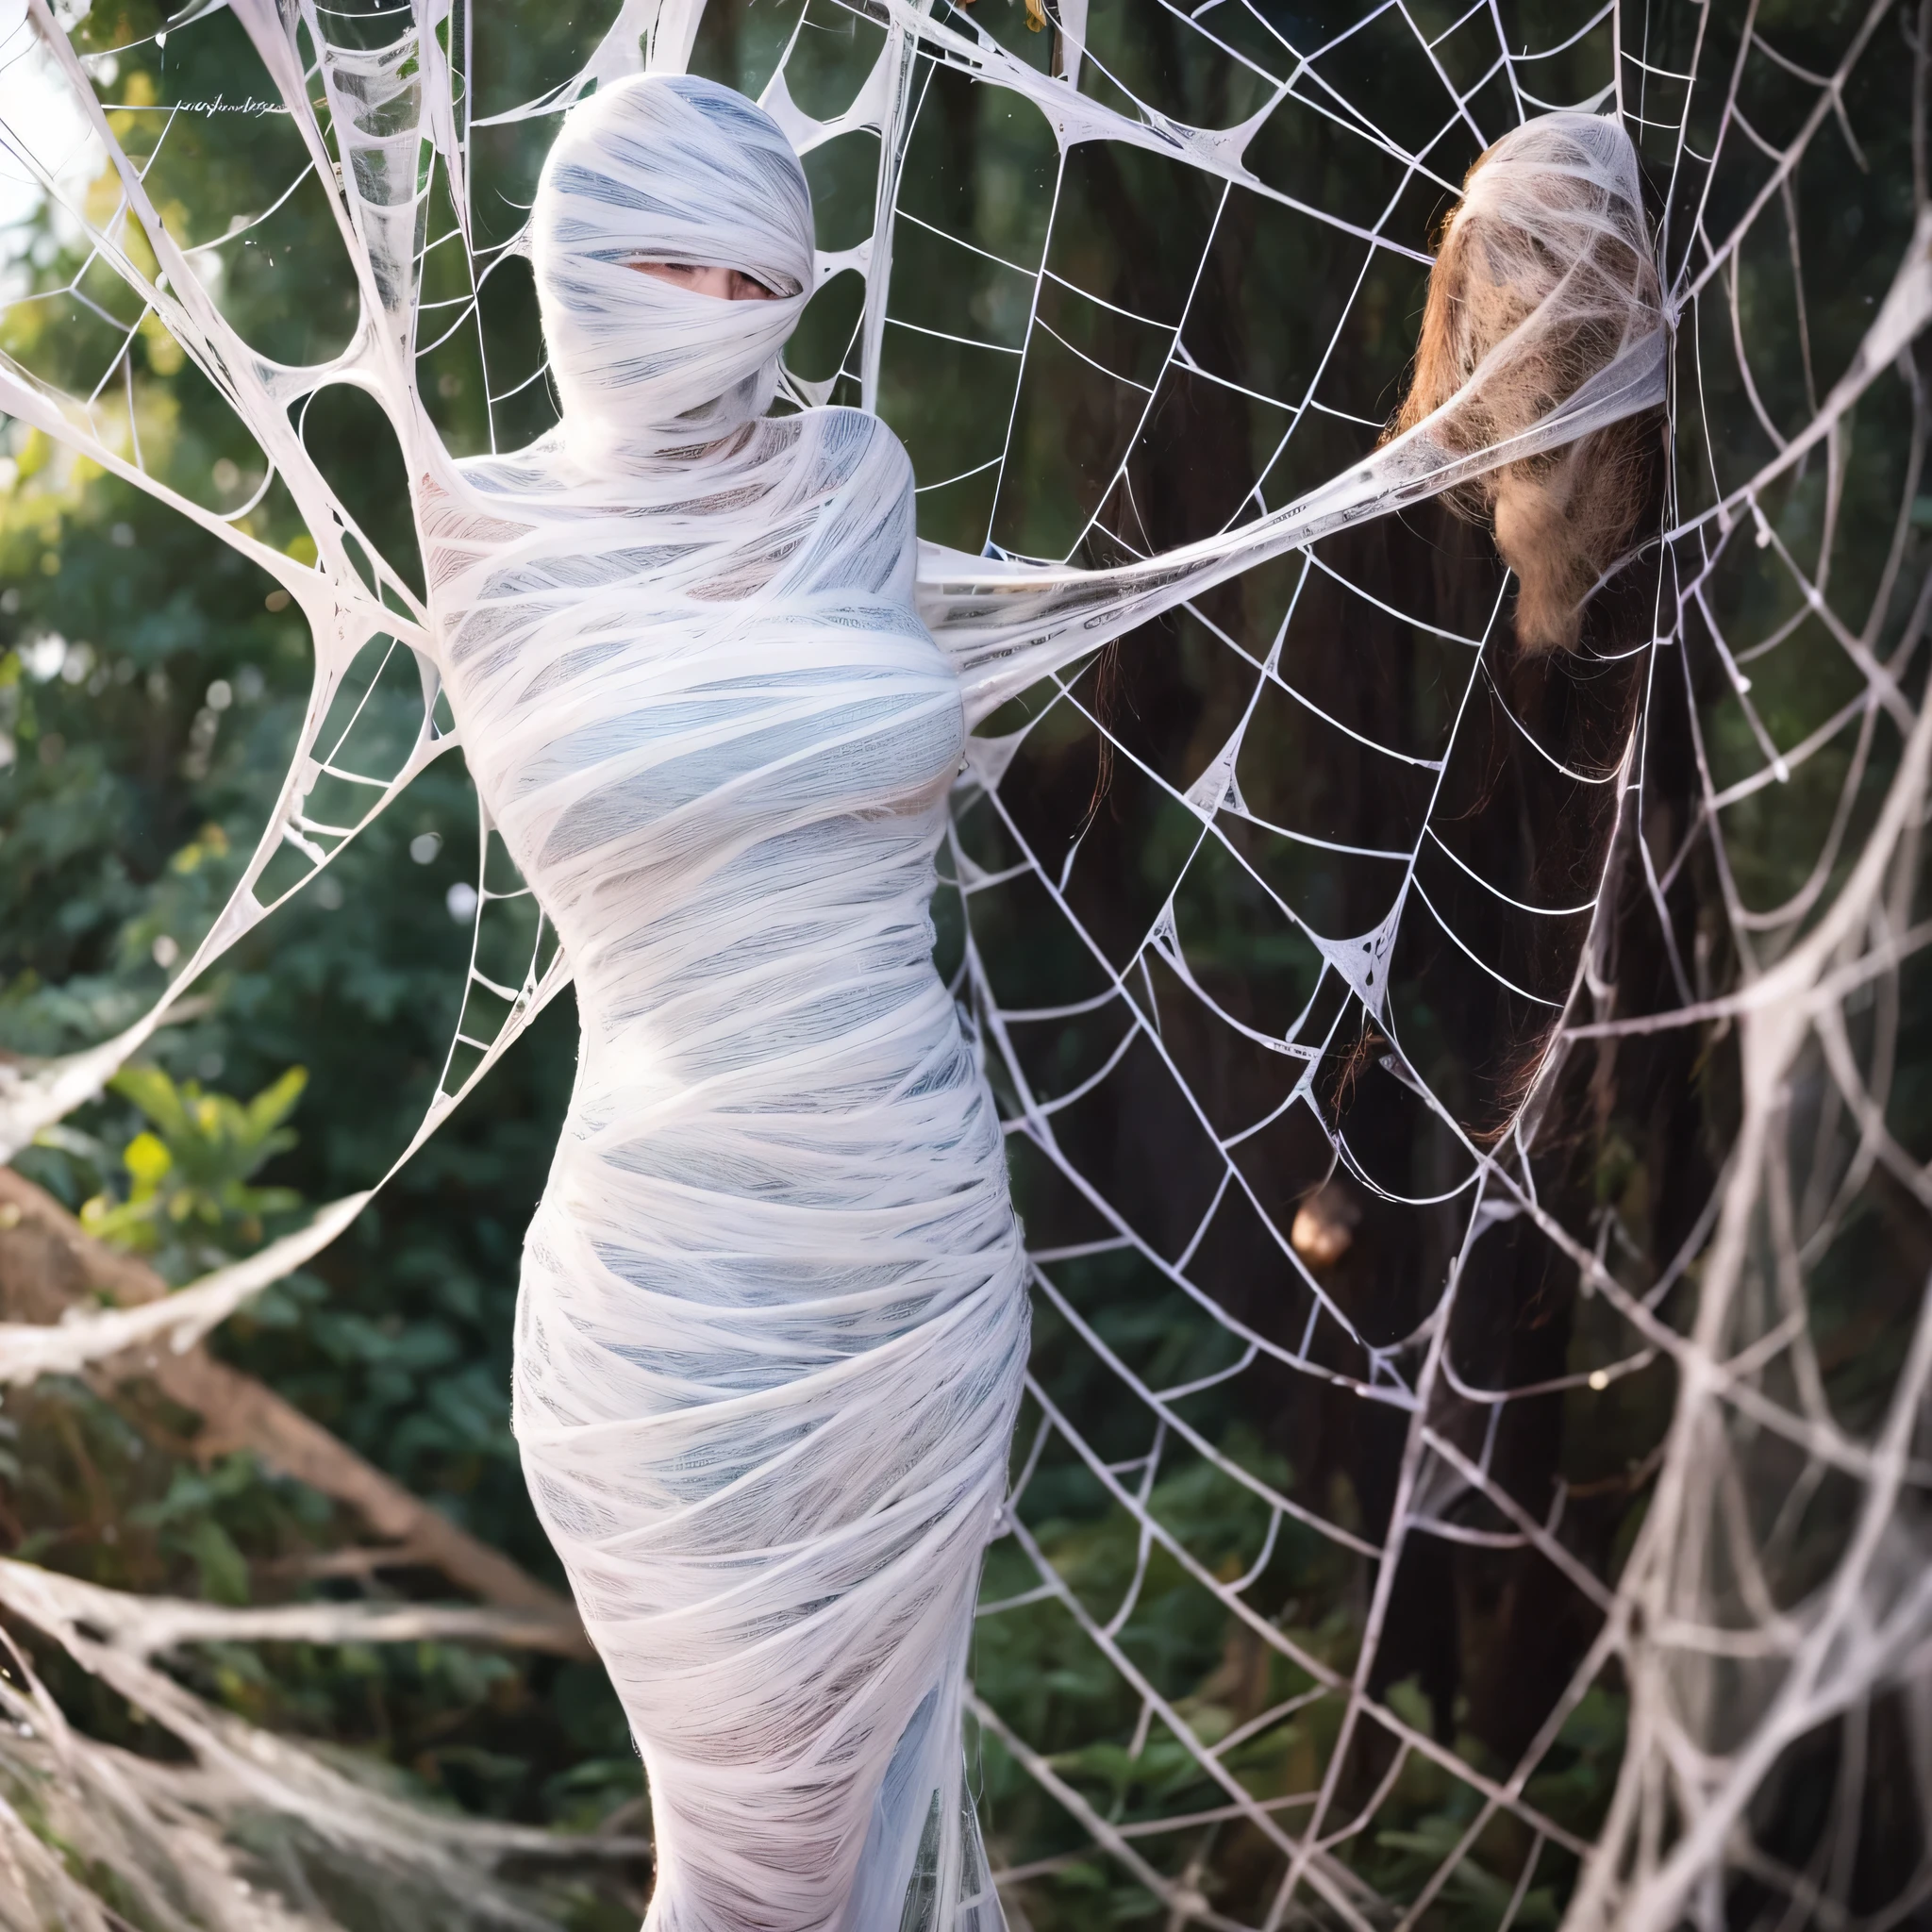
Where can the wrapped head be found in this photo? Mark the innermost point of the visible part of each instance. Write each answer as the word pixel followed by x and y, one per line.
pixel 666 168
pixel 1544 279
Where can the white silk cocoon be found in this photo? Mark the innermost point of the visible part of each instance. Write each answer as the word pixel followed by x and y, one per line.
pixel 772 1322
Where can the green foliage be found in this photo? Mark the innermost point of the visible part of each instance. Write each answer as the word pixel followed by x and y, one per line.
pixel 191 1205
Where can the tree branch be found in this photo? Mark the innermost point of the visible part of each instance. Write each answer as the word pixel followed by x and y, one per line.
pixel 48 1266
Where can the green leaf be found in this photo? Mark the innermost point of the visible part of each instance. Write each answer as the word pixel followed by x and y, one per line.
pixel 156 1095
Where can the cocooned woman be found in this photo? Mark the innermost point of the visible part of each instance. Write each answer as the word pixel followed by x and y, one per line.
pixel 773 1324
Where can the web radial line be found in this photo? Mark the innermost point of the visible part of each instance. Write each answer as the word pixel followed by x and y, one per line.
pixel 1463 19
pixel 1143 1540
pixel 1164 1414
pixel 961 242
pixel 1193 24
pixel 1388 1567
pixel 1027 339
pixel 1188 1909
pixel 1320 1877
pixel 1681 294
pixel 1166 362
pixel 466 308
pixel 1307 401
pixel 1680 147
pixel 1830 101
pixel 1262 19
pixel 1577 1574
pixel 1400 1398
pixel 1496 891
pixel 1430 54
pixel 1345 113
pixel 325 760
pixel 1448 1866
pixel 1656 888
pixel 1405 1484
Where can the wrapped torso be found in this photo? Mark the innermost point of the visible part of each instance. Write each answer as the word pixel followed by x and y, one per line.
pixel 773 1323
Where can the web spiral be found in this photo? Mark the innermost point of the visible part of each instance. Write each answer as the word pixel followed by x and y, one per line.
pixel 1462 1104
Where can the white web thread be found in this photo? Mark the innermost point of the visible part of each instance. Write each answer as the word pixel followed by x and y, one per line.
pixel 1679 1799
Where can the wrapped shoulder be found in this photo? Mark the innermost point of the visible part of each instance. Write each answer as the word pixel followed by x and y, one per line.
pixel 863 447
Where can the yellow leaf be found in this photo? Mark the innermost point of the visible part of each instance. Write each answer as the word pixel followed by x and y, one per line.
pixel 146 1158
pixel 1036 16
pixel 164 354
pixel 102 200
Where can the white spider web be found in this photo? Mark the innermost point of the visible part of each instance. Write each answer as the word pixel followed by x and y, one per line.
pixel 1338 970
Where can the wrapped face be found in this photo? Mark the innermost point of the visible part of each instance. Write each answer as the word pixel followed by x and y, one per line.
pixel 677 175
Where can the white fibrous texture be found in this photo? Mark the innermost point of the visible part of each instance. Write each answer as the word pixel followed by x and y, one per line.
pixel 772 1318
pixel 731 720
pixel 1544 279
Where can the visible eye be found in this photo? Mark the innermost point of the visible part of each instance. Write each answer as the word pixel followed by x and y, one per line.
pixel 724 284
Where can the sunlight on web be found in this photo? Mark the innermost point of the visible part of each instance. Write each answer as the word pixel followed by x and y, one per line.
pixel 1291 926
